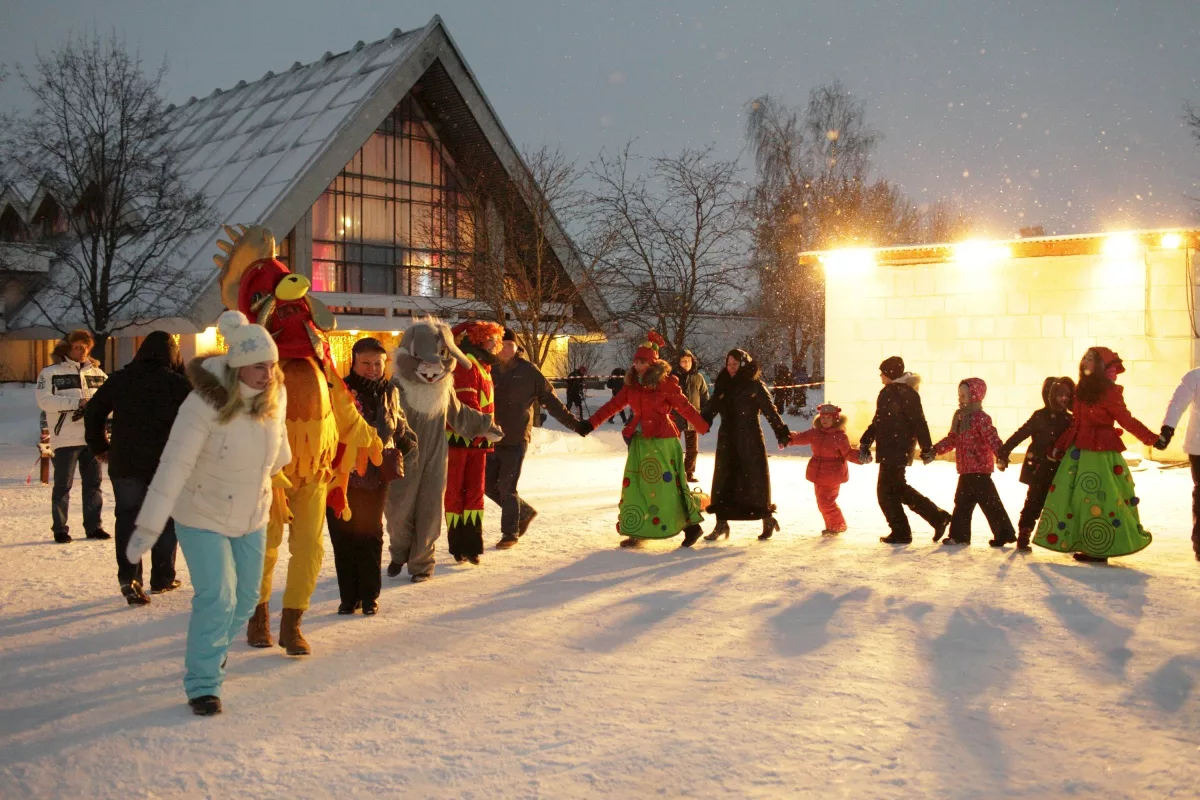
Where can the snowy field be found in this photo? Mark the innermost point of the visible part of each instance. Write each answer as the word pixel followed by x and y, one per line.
pixel 567 667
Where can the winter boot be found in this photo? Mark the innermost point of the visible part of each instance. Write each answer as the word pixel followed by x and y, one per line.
pixel 290 637
pixel 459 559
pixel 1023 539
pixel 506 541
pixel 525 521
pixel 258 629
pixel 632 541
pixel 939 529
pixel 345 609
pixel 62 538
pixel 1084 557
pixel 205 706
pixel 134 594
pixel 770 525
pixel 895 538
pixel 370 608
pixel 473 559
pixel 99 533
pixel 722 529
pixel 691 534
pixel 421 577
pixel 170 587
pixel 395 568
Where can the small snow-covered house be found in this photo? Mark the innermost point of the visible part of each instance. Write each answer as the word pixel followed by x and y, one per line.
pixel 356 163
pixel 1013 313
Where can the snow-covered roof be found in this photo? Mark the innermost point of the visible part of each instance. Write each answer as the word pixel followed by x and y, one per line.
pixel 263 152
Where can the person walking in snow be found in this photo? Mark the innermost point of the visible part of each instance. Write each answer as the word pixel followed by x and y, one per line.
pixel 782 391
pixel 898 426
pixel 358 541
pixel 227 449
pixel 1037 471
pixel 1092 508
pixel 1187 393
pixel 521 390
pixel 616 382
pixel 63 391
pixel 800 393
pixel 576 392
pixel 143 399
pixel 827 470
pixel 695 389
pixel 655 502
pixel 974 437
pixel 741 487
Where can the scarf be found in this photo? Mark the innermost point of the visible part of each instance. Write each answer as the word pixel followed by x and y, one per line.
pixel 961 422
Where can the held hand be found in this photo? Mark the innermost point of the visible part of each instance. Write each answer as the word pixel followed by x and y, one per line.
pixel 1167 434
pixel 1054 454
pixel 1162 443
pixel 928 457
pixel 1001 465
pixel 583 428
pixel 864 457
pixel 139 544
pixel 494 433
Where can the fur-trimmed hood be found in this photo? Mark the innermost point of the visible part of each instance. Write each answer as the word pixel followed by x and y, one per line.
pixel 910 379
pixel 748 372
pixel 653 377
pixel 839 423
pixel 62 352
pixel 205 374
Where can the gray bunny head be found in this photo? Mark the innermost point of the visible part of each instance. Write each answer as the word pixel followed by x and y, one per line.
pixel 427 352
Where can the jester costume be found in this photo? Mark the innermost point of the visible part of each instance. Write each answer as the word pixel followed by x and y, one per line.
pixel 467 468
pixel 328 437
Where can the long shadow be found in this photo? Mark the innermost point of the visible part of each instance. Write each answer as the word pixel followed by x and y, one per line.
pixel 15 626
pixel 1124 587
pixel 1107 638
pixel 803 627
pixel 655 608
pixel 1170 686
pixel 972 658
pixel 596 572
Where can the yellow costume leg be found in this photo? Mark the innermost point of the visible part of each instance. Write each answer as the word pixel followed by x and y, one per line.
pixel 275 526
pixel 307 504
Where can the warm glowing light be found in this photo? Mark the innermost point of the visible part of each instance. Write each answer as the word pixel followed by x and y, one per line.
pixel 849 261
pixel 210 342
pixel 348 221
pixel 1120 247
pixel 1171 241
pixel 353 333
pixel 978 253
pixel 395 333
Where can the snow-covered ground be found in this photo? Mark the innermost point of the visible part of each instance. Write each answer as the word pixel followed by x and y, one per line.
pixel 567 667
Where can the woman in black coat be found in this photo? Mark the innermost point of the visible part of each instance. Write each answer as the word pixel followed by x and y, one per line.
pixel 741 486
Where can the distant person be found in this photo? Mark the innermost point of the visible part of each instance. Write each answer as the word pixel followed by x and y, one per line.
pixel 576 391
pixel 799 395
pixel 616 382
pixel 143 399
pixel 63 391
pixel 695 389
pixel 1188 393
pixel 780 393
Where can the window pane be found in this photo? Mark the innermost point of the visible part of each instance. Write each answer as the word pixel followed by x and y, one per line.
pixel 376 154
pixel 324 276
pixel 377 221
pixel 323 217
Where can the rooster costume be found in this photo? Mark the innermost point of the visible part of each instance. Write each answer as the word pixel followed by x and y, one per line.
pixel 327 435
pixel 467 467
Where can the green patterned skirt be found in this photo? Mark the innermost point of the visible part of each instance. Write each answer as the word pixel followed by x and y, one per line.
pixel 1092 507
pixel 655 501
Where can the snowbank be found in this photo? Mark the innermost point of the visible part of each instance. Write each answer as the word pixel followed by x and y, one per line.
pixel 19 415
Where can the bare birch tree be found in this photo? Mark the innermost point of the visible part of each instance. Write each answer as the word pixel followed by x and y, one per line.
pixel 95 140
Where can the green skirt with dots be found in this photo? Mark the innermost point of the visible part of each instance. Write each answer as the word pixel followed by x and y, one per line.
pixel 655 501
pixel 1092 507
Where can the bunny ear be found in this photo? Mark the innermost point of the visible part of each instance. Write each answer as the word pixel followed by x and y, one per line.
pixel 448 339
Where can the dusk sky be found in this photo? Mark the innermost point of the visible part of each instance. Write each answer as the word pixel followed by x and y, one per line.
pixel 1063 113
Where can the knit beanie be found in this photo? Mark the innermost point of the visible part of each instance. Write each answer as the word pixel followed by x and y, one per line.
pixel 828 410
pixel 248 343
pixel 648 350
pixel 892 368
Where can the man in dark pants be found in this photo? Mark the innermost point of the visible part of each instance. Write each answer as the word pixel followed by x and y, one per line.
pixel 520 388
pixel 695 389
pixel 1187 393
pixel 143 399
pixel 898 425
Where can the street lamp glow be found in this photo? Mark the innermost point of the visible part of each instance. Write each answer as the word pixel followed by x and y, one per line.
pixel 855 260
pixel 1120 247
pixel 1171 241
pixel 980 253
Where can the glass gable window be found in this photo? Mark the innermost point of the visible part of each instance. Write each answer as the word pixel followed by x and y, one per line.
pixel 395 220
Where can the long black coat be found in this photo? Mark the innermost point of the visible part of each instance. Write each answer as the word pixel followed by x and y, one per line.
pixel 144 399
pixel 1045 426
pixel 741 486
pixel 899 423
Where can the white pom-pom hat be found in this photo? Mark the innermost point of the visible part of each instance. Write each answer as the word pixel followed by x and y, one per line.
pixel 248 343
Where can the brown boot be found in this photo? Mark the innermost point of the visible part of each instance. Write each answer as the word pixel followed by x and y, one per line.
pixel 1023 539
pixel 258 629
pixel 290 636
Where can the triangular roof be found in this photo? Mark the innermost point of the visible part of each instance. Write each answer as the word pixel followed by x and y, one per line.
pixel 264 152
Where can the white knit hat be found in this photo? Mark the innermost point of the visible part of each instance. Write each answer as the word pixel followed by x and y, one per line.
pixel 248 343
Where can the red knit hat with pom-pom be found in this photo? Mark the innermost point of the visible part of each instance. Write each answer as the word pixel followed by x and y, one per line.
pixel 648 350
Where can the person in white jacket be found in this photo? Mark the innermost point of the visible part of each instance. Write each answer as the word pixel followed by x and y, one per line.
pixel 1187 393
pixel 215 478
pixel 63 390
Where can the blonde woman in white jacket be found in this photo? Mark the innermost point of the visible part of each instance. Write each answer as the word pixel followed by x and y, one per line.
pixel 215 479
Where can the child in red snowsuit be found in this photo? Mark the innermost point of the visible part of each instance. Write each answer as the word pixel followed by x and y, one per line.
pixel 974 436
pixel 827 467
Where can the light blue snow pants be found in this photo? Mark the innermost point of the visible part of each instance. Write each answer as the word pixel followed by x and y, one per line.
pixel 225 573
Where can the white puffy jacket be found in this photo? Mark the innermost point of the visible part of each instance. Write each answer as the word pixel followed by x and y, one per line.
pixel 1187 393
pixel 216 476
pixel 61 388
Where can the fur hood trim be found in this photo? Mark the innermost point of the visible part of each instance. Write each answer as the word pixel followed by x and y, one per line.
pixel 839 423
pixel 748 372
pixel 654 375
pixel 62 351
pixel 205 373
pixel 910 379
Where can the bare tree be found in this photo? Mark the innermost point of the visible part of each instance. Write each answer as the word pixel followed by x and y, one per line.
pixel 95 140
pixel 945 221
pixel 679 239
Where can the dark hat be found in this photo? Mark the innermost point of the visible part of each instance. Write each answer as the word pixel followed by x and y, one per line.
pixel 368 344
pixel 892 368
pixel 509 335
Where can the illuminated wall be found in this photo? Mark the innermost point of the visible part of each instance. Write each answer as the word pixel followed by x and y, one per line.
pixel 1012 322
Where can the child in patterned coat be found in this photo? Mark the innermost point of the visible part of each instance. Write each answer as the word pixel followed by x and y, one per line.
pixel 827 468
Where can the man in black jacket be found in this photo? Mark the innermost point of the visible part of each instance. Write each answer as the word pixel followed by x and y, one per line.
pixel 899 424
pixel 143 399
pixel 520 388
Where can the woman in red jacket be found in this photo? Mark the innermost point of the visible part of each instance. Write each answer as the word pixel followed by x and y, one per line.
pixel 655 501
pixel 1092 510
pixel 827 468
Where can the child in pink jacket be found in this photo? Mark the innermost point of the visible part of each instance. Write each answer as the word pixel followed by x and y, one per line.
pixel 974 437
pixel 827 467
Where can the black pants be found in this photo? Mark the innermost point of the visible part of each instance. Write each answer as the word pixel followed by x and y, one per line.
pixel 358 545
pixel 65 459
pixel 894 493
pixel 691 449
pixel 1035 501
pixel 1195 503
pixel 129 494
pixel 500 485
pixel 973 490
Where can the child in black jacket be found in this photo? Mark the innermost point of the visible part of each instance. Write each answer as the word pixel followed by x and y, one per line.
pixel 1044 427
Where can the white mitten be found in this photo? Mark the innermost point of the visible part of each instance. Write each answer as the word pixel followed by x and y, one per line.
pixel 140 543
pixel 494 434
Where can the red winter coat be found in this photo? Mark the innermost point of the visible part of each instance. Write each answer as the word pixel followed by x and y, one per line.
pixel 978 445
pixel 1094 428
pixel 830 451
pixel 651 402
